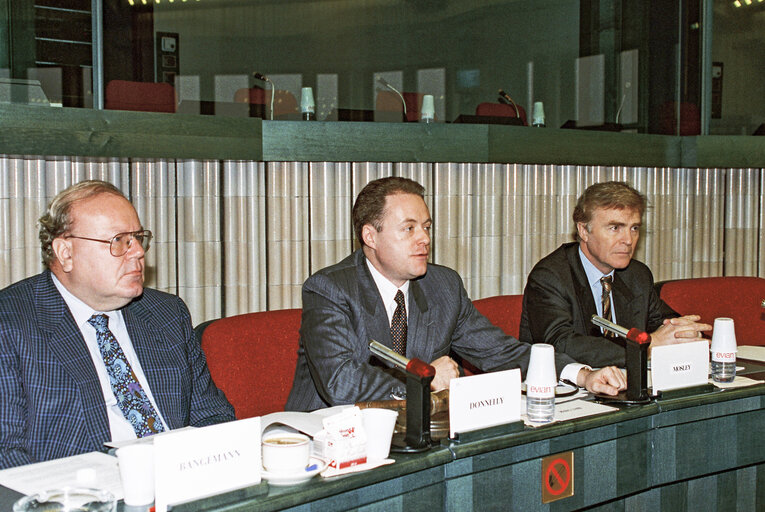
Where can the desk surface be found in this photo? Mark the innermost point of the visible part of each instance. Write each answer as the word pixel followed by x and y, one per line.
pixel 671 452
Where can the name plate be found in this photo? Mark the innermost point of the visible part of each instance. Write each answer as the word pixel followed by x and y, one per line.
pixel 680 366
pixel 485 400
pixel 201 462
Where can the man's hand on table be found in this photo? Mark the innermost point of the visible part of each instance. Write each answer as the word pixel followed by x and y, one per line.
pixel 606 381
pixel 678 330
pixel 446 370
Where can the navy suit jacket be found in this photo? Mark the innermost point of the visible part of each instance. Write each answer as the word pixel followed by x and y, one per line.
pixel 51 402
pixel 343 311
pixel 558 305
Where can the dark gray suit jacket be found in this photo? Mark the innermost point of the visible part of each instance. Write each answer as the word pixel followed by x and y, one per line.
pixel 558 305
pixel 343 311
pixel 51 403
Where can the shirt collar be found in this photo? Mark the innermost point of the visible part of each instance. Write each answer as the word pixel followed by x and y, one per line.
pixel 80 311
pixel 592 272
pixel 386 288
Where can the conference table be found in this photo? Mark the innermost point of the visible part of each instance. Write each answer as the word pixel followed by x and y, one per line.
pixel 683 451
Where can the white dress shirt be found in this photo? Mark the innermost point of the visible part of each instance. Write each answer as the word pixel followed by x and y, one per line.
pixel 119 426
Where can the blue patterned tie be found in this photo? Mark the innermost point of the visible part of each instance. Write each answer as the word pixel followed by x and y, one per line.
pixel 131 397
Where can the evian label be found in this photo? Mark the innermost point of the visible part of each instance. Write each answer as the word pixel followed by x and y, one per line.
pixel 724 357
pixel 540 391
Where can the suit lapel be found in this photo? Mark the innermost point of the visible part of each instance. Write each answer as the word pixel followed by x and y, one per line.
pixel 583 292
pixel 419 323
pixel 373 309
pixel 623 301
pixel 66 344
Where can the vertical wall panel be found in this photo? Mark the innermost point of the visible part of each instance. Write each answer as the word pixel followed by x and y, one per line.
pixel 153 195
pixel 741 222
pixel 287 236
pixel 199 242
pixel 331 203
pixel 244 237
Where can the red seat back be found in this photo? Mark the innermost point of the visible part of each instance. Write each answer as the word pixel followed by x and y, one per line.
pixel 140 96
pixel 252 359
pixel 504 311
pixel 389 101
pixel 738 298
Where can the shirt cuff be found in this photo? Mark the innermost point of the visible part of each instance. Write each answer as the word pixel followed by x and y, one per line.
pixel 571 372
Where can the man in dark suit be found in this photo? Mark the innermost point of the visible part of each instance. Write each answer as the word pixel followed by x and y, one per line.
pixel 388 292
pixel 597 275
pixel 87 355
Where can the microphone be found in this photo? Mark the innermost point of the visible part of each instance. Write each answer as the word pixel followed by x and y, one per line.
pixel 633 334
pixel 264 78
pixel 389 86
pixel 507 97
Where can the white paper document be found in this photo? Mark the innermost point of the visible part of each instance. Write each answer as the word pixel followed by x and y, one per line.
pixel 569 409
pixel 54 474
pixel 751 352
pixel 305 422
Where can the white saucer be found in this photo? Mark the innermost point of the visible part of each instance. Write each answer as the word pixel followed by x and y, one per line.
pixel 282 479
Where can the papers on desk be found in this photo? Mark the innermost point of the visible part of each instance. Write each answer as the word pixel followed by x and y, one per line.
pixel 58 473
pixel 571 408
pixel 738 382
pixel 752 353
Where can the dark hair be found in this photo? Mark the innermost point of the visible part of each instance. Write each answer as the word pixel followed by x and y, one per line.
pixel 609 194
pixel 369 207
pixel 58 220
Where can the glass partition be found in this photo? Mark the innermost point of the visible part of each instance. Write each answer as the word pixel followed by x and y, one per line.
pixel 623 65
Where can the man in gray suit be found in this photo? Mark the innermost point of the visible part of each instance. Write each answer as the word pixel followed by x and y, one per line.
pixel 87 354
pixel 597 275
pixel 388 286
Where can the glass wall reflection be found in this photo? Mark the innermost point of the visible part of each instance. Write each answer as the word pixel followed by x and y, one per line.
pixel 627 65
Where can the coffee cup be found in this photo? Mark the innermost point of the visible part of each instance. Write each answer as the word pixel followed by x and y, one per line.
pixel 286 452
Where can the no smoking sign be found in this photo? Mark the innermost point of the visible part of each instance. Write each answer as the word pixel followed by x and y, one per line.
pixel 557 477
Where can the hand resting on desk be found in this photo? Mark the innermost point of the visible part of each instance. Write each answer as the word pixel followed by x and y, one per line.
pixel 607 381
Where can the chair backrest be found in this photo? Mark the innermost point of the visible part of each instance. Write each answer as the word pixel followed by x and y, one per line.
pixel 284 101
pixel 504 311
pixel 690 118
pixel 389 101
pixel 500 110
pixel 738 298
pixel 252 358
pixel 140 96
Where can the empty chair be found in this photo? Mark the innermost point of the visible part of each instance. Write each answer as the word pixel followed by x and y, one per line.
pixel 500 110
pixel 738 298
pixel 389 101
pixel 252 358
pixel 259 99
pixel 140 96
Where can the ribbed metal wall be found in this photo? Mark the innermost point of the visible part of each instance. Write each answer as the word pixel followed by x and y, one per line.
pixel 238 236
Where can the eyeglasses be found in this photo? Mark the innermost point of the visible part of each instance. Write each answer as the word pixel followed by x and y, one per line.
pixel 122 242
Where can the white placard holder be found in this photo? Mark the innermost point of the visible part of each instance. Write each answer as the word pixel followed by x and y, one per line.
pixel 202 462
pixel 486 400
pixel 680 366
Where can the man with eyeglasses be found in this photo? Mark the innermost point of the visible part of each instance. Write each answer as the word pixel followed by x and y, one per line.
pixel 87 354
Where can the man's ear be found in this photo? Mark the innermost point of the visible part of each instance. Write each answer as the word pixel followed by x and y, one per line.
pixel 62 249
pixel 581 228
pixel 369 235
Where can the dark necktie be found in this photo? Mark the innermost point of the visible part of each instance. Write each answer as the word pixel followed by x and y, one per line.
pixel 398 325
pixel 606 302
pixel 131 397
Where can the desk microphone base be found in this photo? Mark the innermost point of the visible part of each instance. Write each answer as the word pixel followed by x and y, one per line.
pixel 621 399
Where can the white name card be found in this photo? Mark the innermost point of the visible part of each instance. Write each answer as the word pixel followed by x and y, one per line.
pixel 680 366
pixel 193 464
pixel 485 400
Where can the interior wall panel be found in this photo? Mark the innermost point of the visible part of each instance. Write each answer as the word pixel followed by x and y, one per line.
pixel 238 236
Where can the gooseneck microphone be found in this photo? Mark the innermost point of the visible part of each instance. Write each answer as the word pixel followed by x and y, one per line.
pixel 264 78
pixel 389 86
pixel 506 97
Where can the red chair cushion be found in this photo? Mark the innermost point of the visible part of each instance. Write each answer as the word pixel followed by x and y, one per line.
pixel 500 110
pixel 738 298
pixel 252 359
